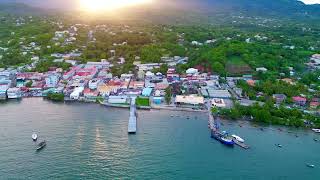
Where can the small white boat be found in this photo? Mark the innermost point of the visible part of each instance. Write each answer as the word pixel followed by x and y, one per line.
pixel 316 130
pixel 34 136
pixel 238 138
pixel 310 165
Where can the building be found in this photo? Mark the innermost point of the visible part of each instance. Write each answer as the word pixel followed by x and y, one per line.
pixel 14 93
pixel 93 83
pixel 157 100
pixel 189 100
pixel 279 98
pixel 136 85
pixel 52 80
pixel 90 94
pixel 100 65
pixel 147 92
pixel 148 67
pixel 261 69
pixel 75 95
pixel 222 94
pixel 300 101
pixel 118 99
pixel 3 91
pixel 216 102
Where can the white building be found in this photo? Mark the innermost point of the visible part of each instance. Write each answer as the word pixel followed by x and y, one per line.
pixel 3 91
pixel 118 99
pixel 93 83
pixel 76 93
pixel 192 71
pixel 14 93
pixel 218 103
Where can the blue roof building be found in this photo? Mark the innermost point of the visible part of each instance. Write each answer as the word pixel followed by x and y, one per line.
pixel 147 92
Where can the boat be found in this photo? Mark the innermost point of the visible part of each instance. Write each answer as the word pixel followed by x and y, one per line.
pixel 41 145
pixel 316 130
pixel 222 137
pixel 310 165
pixel 238 138
pixel 279 145
pixel 34 137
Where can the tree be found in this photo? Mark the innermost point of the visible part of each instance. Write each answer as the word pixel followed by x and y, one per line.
pixel 29 84
pixel 218 68
pixel 168 95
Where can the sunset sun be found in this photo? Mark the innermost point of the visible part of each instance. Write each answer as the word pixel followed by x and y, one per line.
pixel 98 5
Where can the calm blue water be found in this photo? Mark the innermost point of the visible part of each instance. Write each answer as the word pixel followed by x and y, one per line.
pixel 89 141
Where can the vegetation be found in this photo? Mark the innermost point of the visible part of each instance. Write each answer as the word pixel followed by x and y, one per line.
pixel 270 87
pixel 168 95
pixel 270 114
pixel 58 97
pixel 29 84
pixel 142 101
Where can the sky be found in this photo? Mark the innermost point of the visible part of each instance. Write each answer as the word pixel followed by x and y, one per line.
pixel 311 1
pixel 73 3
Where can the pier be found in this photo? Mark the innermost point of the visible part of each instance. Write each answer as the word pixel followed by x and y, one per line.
pixel 132 124
pixel 213 126
pixel 240 144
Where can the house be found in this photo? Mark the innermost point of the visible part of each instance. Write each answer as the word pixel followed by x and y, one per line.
pixel 298 100
pixel 279 98
pixel 314 104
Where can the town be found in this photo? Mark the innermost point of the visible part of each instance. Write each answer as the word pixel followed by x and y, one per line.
pixel 64 66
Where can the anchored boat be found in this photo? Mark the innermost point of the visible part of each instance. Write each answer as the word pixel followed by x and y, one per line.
pixel 34 137
pixel 316 130
pixel 238 138
pixel 222 137
pixel 41 145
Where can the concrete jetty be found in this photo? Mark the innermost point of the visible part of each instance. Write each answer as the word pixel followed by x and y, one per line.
pixel 132 124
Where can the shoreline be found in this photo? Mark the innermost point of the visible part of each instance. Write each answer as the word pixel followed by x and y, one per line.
pixel 167 108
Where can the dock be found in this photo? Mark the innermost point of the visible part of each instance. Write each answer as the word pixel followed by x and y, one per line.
pixel 213 126
pixel 132 124
pixel 240 144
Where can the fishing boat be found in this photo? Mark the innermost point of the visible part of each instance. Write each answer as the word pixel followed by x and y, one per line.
pixel 34 137
pixel 316 130
pixel 41 145
pixel 238 138
pixel 222 137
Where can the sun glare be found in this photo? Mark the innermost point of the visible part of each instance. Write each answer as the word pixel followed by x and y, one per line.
pixel 98 5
